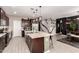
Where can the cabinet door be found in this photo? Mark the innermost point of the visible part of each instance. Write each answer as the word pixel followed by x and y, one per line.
pixel 2 43
pixel 7 38
pixel 57 25
pixel 26 24
pixel 64 26
pixel 7 21
pixel 37 45
pixel 4 20
pixel 28 41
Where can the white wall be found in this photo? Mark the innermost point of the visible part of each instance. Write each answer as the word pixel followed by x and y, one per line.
pixel 49 27
pixel 72 13
pixel 15 25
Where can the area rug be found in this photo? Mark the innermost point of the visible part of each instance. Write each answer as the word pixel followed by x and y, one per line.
pixel 71 43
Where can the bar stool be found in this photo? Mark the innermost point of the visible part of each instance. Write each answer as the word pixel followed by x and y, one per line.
pixel 51 42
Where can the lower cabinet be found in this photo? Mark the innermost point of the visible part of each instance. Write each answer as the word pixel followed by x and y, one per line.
pixel 8 38
pixel 35 45
pixel 2 43
pixel 4 40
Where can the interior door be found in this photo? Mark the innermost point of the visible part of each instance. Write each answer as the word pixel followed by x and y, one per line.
pixel 16 28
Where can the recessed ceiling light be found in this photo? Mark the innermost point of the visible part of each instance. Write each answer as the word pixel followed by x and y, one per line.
pixel 14 12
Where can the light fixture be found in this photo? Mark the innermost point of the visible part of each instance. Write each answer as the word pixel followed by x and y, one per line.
pixel 35 12
pixel 40 17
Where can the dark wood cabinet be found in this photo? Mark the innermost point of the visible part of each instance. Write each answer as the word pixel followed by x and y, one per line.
pixel 57 25
pixel 35 20
pixel 4 20
pixel 8 38
pixel 38 45
pixel 62 24
pixel 2 42
pixel 26 24
pixel 35 45
pixel 29 25
pixel 28 41
pixel 7 21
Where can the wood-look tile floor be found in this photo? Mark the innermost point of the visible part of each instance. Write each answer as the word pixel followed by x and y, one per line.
pixel 16 45
pixel 59 47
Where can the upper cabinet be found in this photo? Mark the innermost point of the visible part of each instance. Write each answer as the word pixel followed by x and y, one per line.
pixel 4 20
pixel 30 24
pixel 35 21
pixel 26 24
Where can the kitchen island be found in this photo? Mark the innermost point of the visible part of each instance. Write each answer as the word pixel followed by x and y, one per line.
pixel 37 42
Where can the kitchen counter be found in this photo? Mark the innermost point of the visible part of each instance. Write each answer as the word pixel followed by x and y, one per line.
pixel 2 34
pixel 38 34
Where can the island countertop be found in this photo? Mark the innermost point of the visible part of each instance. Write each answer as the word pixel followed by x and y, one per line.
pixel 38 34
pixel 2 34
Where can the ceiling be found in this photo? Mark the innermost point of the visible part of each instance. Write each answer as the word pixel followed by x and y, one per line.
pixel 46 11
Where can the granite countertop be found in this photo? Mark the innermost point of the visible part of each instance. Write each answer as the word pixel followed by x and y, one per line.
pixel 38 34
pixel 2 34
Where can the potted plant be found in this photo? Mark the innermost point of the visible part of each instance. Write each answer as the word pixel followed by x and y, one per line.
pixel 73 27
